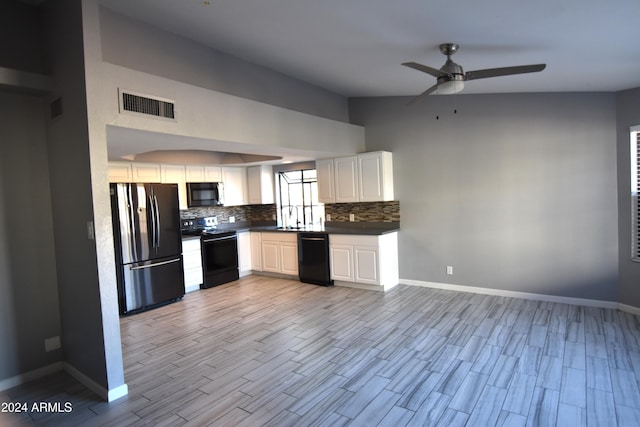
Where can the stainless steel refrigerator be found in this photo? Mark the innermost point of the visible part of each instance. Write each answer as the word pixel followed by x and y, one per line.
pixel 148 245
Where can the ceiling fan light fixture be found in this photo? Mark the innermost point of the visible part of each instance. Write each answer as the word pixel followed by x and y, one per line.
pixel 450 87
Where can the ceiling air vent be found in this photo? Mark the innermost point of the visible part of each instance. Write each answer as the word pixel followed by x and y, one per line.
pixel 142 104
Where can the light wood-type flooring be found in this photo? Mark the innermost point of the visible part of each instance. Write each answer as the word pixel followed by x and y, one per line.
pixel 276 352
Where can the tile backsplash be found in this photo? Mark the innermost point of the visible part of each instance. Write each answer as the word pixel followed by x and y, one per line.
pixel 241 213
pixel 364 212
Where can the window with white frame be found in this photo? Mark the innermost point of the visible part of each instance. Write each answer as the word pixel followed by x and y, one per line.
pixel 635 187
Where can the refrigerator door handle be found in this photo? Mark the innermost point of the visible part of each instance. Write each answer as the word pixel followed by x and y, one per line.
pixel 141 267
pixel 131 222
pixel 153 223
pixel 155 204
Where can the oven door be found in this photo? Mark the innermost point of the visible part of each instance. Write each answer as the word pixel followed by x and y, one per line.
pixel 219 259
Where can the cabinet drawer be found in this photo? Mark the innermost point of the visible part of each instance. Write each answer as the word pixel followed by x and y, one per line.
pixel 356 240
pixel 280 237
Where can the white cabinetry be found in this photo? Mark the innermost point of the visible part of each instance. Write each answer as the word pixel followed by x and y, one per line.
pixel 256 251
pixel 192 263
pixel 367 260
pixel 195 173
pixel 146 172
pixel 375 176
pixel 325 171
pixel 260 184
pixel 120 172
pixel 367 177
pixel 175 174
pixel 346 179
pixel 280 253
pixel 212 174
pixel 235 186
pixel 244 253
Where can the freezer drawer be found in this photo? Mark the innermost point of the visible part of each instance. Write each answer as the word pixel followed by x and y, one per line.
pixel 150 283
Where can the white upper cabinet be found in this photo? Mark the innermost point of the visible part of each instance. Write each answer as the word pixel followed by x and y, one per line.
pixel 326 185
pixel 175 174
pixel 120 172
pixel 212 174
pixel 367 177
pixel 346 179
pixel 146 172
pixel 260 185
pixel 196 173
pixel 375 176
pixel 235 186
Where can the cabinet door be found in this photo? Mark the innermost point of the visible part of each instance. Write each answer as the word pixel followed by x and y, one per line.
pixel 366 265
pixel 375 176
pixel 173 174
pixel 346 179
pixel 146 172
pixel 194 173
pixel 256 251
pixel 270 256
pixel 235 186
pixel 244 252
pixel 325 171
pixel 212 174
pixel 260 185
pixel 341 259
pixel 120 172
pixel 289 258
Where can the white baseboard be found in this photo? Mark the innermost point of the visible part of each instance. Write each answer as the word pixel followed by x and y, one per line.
pixel 108 395
pixel 524 295
pixel 8 383
pixel 358 285
pixel 629 309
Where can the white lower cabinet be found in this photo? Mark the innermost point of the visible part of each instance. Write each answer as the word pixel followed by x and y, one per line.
pixel 280 253
pixel 192 263
pixel 244 253
pixel 357 259
pixel 256 251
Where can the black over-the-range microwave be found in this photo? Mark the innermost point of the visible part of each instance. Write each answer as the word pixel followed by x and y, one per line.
pixel 204 194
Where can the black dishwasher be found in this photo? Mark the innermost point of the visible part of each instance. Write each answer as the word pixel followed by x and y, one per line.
pixel 313 258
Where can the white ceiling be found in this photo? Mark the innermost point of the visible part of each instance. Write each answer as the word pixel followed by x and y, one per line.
pixel 355 47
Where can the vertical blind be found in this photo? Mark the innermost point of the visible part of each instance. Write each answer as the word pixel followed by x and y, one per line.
pixel 635 200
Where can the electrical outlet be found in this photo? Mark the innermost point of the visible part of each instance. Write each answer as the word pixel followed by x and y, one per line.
pixel 352 217
pixel 232 219
pixel 328 217
pixel 52 343
pixel 450 269
pixel 273 217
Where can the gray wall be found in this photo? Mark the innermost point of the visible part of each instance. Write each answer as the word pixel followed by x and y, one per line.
pixel 142 47
pixel 515 191
pixel 21 46
pixel 28 292
pixel 71 193
pixel 628 114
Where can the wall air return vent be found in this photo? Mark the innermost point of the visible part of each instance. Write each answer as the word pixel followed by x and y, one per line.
pixel 145 105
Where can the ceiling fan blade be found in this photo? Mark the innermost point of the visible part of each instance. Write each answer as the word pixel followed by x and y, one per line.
pixel 423 94
pixel 505 71
pixel 425 69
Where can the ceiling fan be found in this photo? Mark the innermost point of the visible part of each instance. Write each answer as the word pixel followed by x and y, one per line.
pixel 450 77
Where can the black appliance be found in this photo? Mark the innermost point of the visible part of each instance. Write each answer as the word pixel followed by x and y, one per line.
pixel 148 245
pixel 204 194
pixel 313 258
pixel 219 257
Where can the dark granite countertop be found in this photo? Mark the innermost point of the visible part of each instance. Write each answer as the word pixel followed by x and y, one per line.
pixel 353 228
